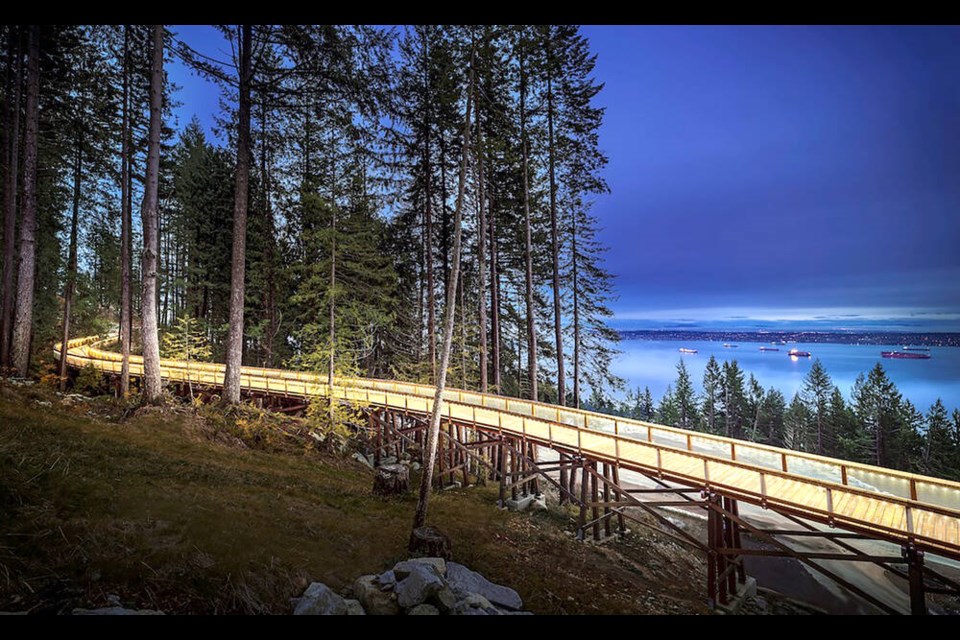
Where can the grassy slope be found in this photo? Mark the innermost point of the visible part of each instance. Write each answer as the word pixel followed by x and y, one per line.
pixel 195 513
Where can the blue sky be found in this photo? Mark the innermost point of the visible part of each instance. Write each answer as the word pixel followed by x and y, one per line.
pixel 765 174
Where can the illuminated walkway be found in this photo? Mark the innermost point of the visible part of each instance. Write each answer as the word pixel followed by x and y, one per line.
pixel 892 505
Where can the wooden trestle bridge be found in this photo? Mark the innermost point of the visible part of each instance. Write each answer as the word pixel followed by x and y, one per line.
pixel 525 445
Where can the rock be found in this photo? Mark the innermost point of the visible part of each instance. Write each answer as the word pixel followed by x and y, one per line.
pixel 418 586
pixel 320 600
pixel 388 460
pixel 113 600
pixel 424 610
pixel 475 601
pixel 391 480
pixel 464 582
pixel 472 612
pixel 431 542
pixel 375 601
pixel 387 580
pixel 445 599
pixel 414 466
pixel 402 569
pixel 354 608
pixel 116 611
pixel 359 457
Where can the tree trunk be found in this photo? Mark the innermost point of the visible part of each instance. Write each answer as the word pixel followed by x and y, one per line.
pixel 23 314
pixel 150 221
pixel 576 312
pixel 428 221
pixel 430 457
pixel 270 293
pixel 72 260
pixel 554 236
pixel 481 255
pixel 126 224
pixel 494 297
pixel 531 325
pixel 333 309
pixel 11 150
pixel 231 382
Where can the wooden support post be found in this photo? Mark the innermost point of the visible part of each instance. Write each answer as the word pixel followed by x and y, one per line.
pixel 621 530
pixel 584 480
pixel 741 569
pixel 535 483
pixel 594 497
pixel 564 480
pixel 502 465
pixel 573 476
pixel 606 499
pixel 377 428
pixel 513 469
pixel 464 460
pixel 720 558
pixel 918 604
pixel 728 543
pixel 712 554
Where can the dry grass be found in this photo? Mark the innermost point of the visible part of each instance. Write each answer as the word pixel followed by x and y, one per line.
pixel 211 513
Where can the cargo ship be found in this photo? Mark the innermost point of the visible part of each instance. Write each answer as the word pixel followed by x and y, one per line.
pixel 684 350
pixel 798 354
pixel 727 345
pixel 916 348
pixel 769 349
pixel 905 355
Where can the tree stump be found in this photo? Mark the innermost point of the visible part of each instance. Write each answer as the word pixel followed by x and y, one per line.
pixel 391 480
pixel 430 542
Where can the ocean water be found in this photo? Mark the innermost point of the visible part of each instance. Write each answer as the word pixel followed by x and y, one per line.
pixel 653 363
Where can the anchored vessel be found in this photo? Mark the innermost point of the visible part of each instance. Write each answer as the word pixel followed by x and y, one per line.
pixel 684 350
pixel 769 349
pixel 798 354
pixel 905 355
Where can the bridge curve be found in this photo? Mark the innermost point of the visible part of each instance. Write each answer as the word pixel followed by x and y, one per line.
pixel 919 512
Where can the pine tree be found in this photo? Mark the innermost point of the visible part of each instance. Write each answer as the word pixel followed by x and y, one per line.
pixel 234 356
pixel 712 388
pixel 11 155
pixel 668 412
pixel 429 460
pixel 733 399
pixel 772 418
pixel 816 394
pixel 685 399
pixel 853 442
pixel 151 231
pixel 876 405
pixel 187 341
pixel 939 450
pixel 23 312
pixel 796 424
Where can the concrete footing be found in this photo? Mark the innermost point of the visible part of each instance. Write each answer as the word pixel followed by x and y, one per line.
pixel 528 502
pixel 746 590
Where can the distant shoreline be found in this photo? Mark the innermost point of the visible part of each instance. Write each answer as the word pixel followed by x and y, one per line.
pixel 925 339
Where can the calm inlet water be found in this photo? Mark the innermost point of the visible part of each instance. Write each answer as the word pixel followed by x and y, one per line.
pixel 653 363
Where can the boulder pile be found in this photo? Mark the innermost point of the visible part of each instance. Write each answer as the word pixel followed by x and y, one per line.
pixel 414 587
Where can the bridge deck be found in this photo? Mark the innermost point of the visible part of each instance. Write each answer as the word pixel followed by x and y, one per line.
pixel 883 503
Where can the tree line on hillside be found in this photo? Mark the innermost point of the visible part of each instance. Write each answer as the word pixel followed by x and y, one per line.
pixel 321 236
pixel 877 425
